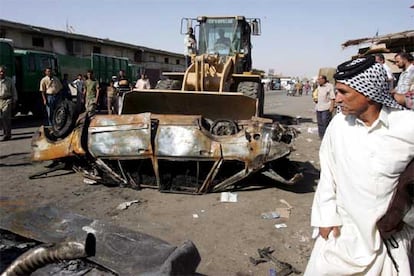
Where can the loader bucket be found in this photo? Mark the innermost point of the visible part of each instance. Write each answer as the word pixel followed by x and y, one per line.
pixel 213 105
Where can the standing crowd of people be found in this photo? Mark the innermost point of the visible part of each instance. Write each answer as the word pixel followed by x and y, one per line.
pixel 298 88
pixel 53 89
pixel 88 91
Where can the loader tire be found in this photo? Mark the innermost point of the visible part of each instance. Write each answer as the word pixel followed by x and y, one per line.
pixel 168 85
pixel 249 88
pixel 253 90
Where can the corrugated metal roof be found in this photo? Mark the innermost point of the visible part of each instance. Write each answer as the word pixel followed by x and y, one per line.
pixel 380 39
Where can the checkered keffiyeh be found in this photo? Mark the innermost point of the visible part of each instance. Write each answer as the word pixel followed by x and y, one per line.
pixel 368 78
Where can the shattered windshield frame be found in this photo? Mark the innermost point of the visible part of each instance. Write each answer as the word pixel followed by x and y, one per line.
pixel 210 33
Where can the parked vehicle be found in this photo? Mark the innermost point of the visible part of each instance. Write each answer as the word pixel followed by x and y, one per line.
pixel 27 67
pixel 7 56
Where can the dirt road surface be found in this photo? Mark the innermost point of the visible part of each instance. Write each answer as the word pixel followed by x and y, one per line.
pixel 226 234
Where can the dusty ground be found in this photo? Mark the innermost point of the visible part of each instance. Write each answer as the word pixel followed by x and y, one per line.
pixel 226 234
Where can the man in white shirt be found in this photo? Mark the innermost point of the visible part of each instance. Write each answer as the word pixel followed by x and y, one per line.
pixel 50 86
pixel 381 59
pixel 403 93
pixel 80 97
pixel 325 104
pixel 404 61
pixel 362 154
pixel 143 83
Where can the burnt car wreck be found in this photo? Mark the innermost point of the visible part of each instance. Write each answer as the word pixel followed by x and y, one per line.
pixel 165 150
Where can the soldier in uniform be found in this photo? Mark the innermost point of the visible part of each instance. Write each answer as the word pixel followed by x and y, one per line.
pixel 91 92
pixel 8 99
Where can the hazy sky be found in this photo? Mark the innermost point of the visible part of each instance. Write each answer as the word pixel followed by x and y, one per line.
pixel 298 36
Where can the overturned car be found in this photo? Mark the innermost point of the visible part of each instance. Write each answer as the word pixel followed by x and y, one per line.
pixel 169 151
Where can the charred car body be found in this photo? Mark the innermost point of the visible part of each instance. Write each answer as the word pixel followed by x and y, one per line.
pixel 198 131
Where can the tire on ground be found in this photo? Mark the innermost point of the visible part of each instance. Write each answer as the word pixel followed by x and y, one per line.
pixel 224 128
pixel 64 118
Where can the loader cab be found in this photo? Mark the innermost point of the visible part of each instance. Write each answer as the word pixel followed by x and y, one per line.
pixel 226 36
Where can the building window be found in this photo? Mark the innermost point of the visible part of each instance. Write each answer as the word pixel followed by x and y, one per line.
pixel 166 60
pixel 2 33
pixel 77 47
pixel 138 56
pixel 69 46
pixel 38 42
pixel 177 62
pixel 73 46
pixel 96 50
pixel 152 59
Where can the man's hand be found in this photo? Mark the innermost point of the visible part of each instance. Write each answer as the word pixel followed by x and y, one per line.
pixel 332 106
pixel 324 231
pixel 400 98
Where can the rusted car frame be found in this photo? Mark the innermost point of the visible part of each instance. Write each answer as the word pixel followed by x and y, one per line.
pixel 179 153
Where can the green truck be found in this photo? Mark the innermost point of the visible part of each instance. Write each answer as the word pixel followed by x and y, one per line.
pixel 26 68
pixel 103 66
pixel 7 56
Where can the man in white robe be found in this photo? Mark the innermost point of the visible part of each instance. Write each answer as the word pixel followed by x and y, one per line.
pixel 362 154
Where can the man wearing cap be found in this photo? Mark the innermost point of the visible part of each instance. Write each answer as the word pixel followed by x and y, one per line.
pixel 363 152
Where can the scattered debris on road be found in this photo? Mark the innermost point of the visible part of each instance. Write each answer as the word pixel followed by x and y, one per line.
pixel 265 255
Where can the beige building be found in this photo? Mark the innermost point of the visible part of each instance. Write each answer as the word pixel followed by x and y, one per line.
pixel 29 37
